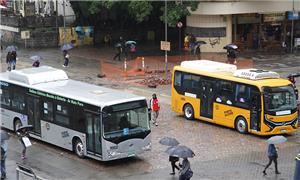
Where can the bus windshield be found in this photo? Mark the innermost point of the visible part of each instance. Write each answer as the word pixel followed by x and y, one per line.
pixel 279 98
pixel 126 120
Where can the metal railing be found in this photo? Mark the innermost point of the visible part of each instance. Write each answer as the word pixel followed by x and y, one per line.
pixel 21 168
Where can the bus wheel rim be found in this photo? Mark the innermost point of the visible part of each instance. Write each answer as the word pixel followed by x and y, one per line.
pixel 188 112
pixel 241 126
pixel 79 148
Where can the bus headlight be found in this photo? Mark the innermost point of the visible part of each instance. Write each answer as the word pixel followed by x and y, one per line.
pixel 147 147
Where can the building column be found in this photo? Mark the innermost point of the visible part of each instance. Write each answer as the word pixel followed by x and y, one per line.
pixel 229 28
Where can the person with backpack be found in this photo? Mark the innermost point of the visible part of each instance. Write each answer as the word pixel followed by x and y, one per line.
pixel 186 172
pixel 154 106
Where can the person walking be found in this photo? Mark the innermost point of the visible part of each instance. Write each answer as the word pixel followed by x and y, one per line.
pixel 120 49
pixel 154 106
pixel 14 59
pixel 231 56
pixel 66 58
pixel 186 172
pixel 23 134
pixel 4 148
pixel 173 161
pixel 8 61
pixel 273 155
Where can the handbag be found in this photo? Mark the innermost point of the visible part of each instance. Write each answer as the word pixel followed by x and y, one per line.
pixel 189 173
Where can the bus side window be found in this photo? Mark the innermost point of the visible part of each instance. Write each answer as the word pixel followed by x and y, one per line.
pixel 5 100
pixel 18 102
pixel 62 114
pixel 187 82
pixel 177 80
pixel 242 95
pixel 225 92
pixel 48 111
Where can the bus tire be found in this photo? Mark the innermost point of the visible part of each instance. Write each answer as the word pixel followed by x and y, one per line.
pixel 188 111
pixel 17 124
pixel 241 125
pixel 79 148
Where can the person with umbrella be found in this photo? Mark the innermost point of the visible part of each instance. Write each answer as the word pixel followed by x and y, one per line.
pixel 272 152
pixel 231 53
pixel 173 159
pixel 4 148
pixel 14 59
pixel 36 60
pixel 182 152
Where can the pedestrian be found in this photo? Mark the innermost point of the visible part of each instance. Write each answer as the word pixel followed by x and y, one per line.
pixel 231 56
pixel 13 59
pixel 23 134
pixel 186 42
pixel 8 61
pixel 132 50
pixel 173 161
pixel 186 172
pixel 197 51
pixel 4 148
pixel 273 155
pixel 66 58
pixel 154 106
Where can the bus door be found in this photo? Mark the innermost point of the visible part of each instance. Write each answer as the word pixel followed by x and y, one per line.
pixel 207 96
pixel 93 131
pixel 33 112
pixel 255 110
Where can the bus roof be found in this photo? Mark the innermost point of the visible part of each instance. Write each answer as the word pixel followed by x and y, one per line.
pixel 81 91
pixel 272 82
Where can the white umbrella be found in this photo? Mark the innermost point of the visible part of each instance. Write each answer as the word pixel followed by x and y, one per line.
pixel 276 140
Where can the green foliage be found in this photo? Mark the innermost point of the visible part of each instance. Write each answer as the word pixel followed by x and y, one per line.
pixel 142 9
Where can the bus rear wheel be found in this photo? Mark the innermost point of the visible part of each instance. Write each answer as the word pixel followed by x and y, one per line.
pixel 188 111
pixel 241 125
pixel 79 148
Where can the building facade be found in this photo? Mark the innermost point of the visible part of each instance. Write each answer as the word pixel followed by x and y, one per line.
pixel 262 25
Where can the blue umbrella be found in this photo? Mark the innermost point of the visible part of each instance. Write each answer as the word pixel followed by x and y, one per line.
pixel 11 48
pixel 168 141
pixel 67 46
pixel 230 46
pixel 130 42
pixel 36 58
pixel 180 151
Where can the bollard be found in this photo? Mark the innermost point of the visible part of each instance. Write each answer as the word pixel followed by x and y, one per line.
pixel 143 63
pixel 125 67
pixel 297 168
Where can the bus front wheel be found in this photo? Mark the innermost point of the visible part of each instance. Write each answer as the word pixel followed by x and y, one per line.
pixel 188 111
pixel 241 125
pixel 17 124
pixel 79 148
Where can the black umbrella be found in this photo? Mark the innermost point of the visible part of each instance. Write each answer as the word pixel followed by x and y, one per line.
pixel 230 46
pixel 198 43
pixel 4 136
pixel 26 128
pixel 180 151
pixel 168 141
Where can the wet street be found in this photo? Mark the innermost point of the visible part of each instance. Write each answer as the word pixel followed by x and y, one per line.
pixel 221 153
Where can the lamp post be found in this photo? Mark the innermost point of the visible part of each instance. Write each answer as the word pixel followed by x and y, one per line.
pixel 292 28
pixel 179 25
pixel 166 39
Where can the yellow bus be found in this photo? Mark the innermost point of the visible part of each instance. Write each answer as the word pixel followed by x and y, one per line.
pixel 249 100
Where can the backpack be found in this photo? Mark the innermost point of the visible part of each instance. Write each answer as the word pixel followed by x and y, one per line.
pixel 154 105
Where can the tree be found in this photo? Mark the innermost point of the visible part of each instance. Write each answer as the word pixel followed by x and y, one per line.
pixel 140 10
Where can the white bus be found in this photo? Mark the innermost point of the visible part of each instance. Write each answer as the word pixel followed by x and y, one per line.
pixel 92 121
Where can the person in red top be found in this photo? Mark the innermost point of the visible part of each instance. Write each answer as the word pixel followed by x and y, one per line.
pixel 154 105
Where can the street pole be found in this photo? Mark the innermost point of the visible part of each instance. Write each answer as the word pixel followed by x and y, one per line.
pixel 64 13
pixel 166 39
pixel 292 28
pixel 179 25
